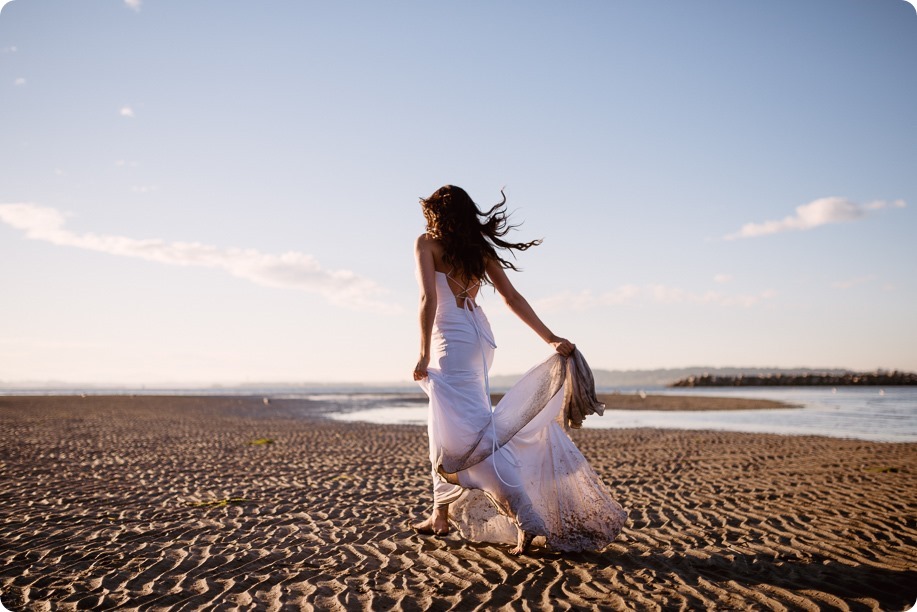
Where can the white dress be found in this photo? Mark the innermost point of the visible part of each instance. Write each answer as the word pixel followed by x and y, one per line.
pixel 515 463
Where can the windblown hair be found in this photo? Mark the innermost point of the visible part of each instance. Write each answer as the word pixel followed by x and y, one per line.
pixel 469 236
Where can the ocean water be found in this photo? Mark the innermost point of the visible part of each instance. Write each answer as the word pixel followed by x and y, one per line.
pixel 863 413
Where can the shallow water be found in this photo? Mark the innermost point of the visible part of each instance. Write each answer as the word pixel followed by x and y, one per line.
pixel 864 413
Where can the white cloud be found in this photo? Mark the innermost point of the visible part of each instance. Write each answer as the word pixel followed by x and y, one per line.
pixel 144 188
pixel 819 212
pixel 126 111
pixel 660 294
pixel 852 282
pixel 722 278
pixel 880 204
pixel 289 270
pixel 19 82
pixel 133 4
pixel 674 295
pixel 585 300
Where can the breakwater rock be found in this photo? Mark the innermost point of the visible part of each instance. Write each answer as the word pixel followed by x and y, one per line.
pixel 879 378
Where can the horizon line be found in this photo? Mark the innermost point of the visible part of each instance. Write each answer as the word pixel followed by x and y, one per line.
pixel 54 384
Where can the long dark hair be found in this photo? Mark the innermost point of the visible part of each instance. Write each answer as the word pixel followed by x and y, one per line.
pixel 469 236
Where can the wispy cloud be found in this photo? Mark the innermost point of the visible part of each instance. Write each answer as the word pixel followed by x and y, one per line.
pixel 133 4
pixel 585 300
pixel 722 278
pixel 288 270
pixel 674 295
pixel 819 212
pixel 657 293
pixel 19 82
pixel 126 111
pixel 853 282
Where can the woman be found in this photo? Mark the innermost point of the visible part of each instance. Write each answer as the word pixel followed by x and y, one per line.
pixel 512 468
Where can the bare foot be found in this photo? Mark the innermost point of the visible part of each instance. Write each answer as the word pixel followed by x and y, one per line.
pixel 522 546
pixel 432 526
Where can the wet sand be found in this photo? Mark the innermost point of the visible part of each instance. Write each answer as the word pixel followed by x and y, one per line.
pixel 168 503
pixel 633 401
pixel 621 401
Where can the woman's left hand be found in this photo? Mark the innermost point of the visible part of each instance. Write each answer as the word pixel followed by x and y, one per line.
pixel 420 370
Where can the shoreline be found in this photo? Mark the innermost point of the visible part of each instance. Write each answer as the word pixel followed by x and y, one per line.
pixel 688 403
pixel 169 501
pixel 692 403
pixel 612 401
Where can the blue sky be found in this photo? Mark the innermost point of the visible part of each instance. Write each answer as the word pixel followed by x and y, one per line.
pixel 227 192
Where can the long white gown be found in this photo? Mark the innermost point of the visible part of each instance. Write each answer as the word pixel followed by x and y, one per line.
pixel 515 463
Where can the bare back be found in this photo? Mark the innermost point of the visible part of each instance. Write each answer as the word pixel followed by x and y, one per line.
pixel 464 288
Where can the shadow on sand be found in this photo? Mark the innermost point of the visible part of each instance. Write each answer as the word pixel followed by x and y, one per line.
pixel 892 589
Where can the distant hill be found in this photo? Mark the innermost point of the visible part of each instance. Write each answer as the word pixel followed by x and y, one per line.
pixel 604 379
pixel 669 376
pixel 824 379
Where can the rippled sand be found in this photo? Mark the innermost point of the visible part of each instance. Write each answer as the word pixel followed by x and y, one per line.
pixel 182 503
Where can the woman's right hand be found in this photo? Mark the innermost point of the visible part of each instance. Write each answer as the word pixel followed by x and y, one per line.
pixel 562 346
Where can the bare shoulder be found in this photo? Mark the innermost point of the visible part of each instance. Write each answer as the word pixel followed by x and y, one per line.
pixel 493 268
pixel 497 276
pixel 426 242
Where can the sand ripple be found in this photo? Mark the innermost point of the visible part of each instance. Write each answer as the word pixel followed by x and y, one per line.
pixel 152 503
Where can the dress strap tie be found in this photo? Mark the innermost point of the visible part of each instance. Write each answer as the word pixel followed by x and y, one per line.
pixel 486 339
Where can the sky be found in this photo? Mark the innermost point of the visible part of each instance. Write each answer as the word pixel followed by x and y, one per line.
pixel 221 192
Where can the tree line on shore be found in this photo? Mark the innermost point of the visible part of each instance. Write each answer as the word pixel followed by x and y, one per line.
pixel 879 378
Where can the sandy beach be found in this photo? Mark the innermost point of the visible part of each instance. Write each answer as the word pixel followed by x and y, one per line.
pixel 633 401
pixel 183 503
